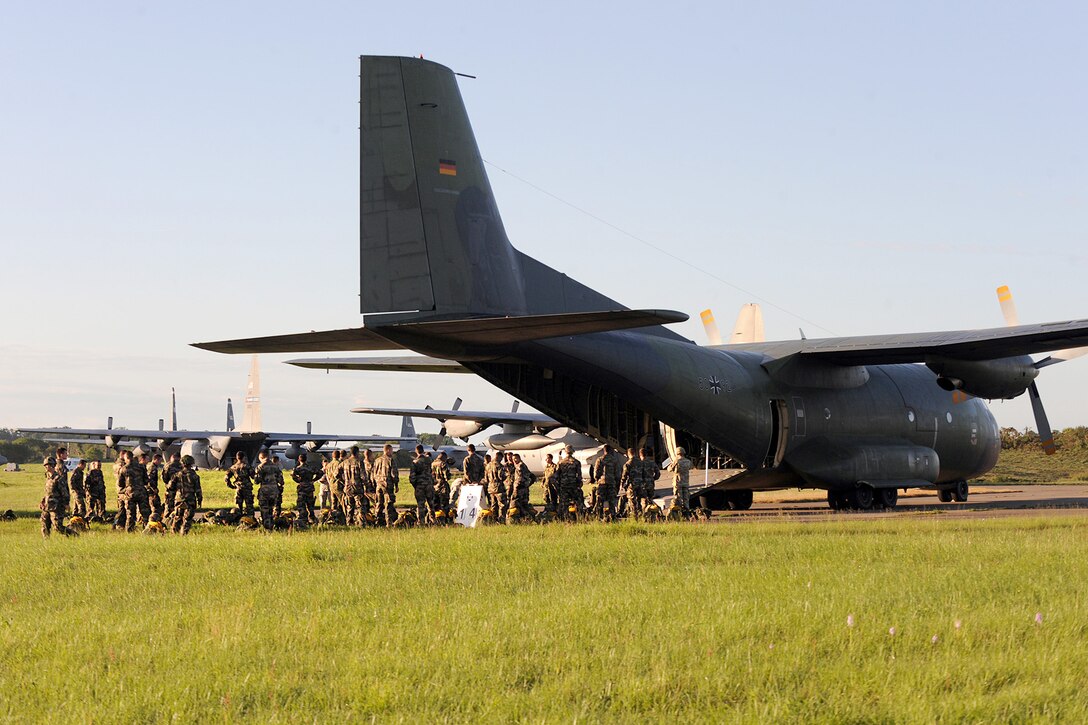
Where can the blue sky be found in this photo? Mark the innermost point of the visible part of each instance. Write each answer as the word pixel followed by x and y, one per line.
pixel 188 171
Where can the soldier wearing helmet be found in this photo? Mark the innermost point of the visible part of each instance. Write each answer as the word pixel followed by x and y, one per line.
pixel 54 500
pixel 240 478
pixel 570 483
pixel 423 484
pixel 189 496
pixel 270 480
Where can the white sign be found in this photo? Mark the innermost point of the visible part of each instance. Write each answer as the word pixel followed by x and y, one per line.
pixel 468 505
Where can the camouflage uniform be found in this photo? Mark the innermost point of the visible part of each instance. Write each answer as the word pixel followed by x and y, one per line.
pixel 189 498
pixel 604 474
pixel 278 508
pixel 170 486
pixel 79 493
pixel 53 503
pixel 570 485
pixel 369 487
pixel 96 492
pixel 494 475
pixel 122 505
pixel 420 478
pixel 440 474
pixel 326 487
pixel 681 491
pixel 136 504
pixel 153 472
pixel 631 484
pixel 352 481
pixel 270 480
pixel 550 484
pixel 387 481
pixel 241 476
pixel 523 479
pixel 304 477
pixel 473 467
pixel 336 489
pixel 650 473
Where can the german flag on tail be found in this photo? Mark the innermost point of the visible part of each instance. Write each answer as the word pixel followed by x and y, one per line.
pixel 446 167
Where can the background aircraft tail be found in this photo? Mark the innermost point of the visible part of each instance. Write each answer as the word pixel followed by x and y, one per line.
pixel 433 243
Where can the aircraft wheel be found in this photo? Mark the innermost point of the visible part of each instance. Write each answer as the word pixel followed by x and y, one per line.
pixel 835 500
pixel 740 500
pixel 960 492
pixel 862 497
pixel 944 495
pixel 887 497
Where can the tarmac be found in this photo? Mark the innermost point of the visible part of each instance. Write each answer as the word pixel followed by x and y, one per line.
pixel 984 502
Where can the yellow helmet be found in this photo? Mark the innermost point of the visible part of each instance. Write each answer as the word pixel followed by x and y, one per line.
pixel 513 511
pixel 573 509
pixel 485 512
pixel 155 527
pixel 440 514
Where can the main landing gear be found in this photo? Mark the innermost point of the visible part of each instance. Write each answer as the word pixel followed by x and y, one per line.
pixel 862 497
pixel 957 492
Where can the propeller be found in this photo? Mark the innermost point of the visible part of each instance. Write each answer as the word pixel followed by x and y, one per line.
pixel 442 430
pixel 1046 436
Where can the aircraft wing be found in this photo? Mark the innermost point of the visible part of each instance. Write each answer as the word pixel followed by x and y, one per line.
pixel 986 344
pixel 538 420
pixel 306 437
pixel 404 364
pixel 178 435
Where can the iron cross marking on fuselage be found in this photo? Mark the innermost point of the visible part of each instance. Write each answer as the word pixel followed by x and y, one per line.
pixel 715 385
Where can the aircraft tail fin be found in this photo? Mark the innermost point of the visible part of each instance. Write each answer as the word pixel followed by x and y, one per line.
pixel 173 410
pixel 230 415
pixel 432 243
pixel 251 414
pixel 408 427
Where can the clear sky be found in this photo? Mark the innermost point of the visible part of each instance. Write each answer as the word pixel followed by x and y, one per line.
pixel 178 172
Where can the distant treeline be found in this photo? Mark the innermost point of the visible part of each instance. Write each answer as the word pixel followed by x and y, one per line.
pixel 19 448
pixel 1071 439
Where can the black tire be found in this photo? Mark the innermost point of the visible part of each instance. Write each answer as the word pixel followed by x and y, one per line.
pixel 887 498
pixel 740 500
pixel 961 491
pixel 944 495
pixel 835 500
pixel 862 497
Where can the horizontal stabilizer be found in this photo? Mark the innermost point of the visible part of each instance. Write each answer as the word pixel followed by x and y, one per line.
pixel 352 338
pixel 400 364
pixel 485 331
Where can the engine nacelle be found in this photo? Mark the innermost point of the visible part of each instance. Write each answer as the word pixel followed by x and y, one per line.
pixel 200 452
pixel 463 429
pixel 826 462
pixel 528 442
pixel 293 452
pixel 992 379
pixel 141 449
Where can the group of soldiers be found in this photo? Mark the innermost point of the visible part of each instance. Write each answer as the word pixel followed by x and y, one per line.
pixel 358 489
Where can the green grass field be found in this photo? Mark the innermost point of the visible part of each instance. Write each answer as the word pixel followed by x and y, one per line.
pixel 696 622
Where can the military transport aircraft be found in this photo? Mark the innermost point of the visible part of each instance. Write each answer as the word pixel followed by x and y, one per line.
pixel 858 416
pixel 212 448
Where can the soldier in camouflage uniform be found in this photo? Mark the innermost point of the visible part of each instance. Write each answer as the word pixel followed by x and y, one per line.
pixel 369 486
pixel 650 473
pixel 420 478
pixel 240 478
pixel 570 484
pixel 154 473
pixel 352 477
pixel 96 491
pixel 494 476
pixel 79 491
pixel 630 482
pixel 681 490
pixel 189 497
pixel 53 502
pixel 122 507
pixel 440 474
pixel 472 468
pixel 550 483
pixel 270 479
pixel 325 486
pixel 523 479
pixel 277 510
pixel 336 486
pixel 387 480
pixel 136 503
pixel 304 477
pixel 605 475
pixel 170 484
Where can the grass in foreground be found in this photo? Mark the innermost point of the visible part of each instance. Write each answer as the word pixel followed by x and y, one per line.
pixel 594 622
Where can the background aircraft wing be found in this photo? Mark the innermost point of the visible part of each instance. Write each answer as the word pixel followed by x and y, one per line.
pixel 538 420
pixel 178 435
pixel 306 437
pixel 404 364
pixel 352 338
pixel 985 344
